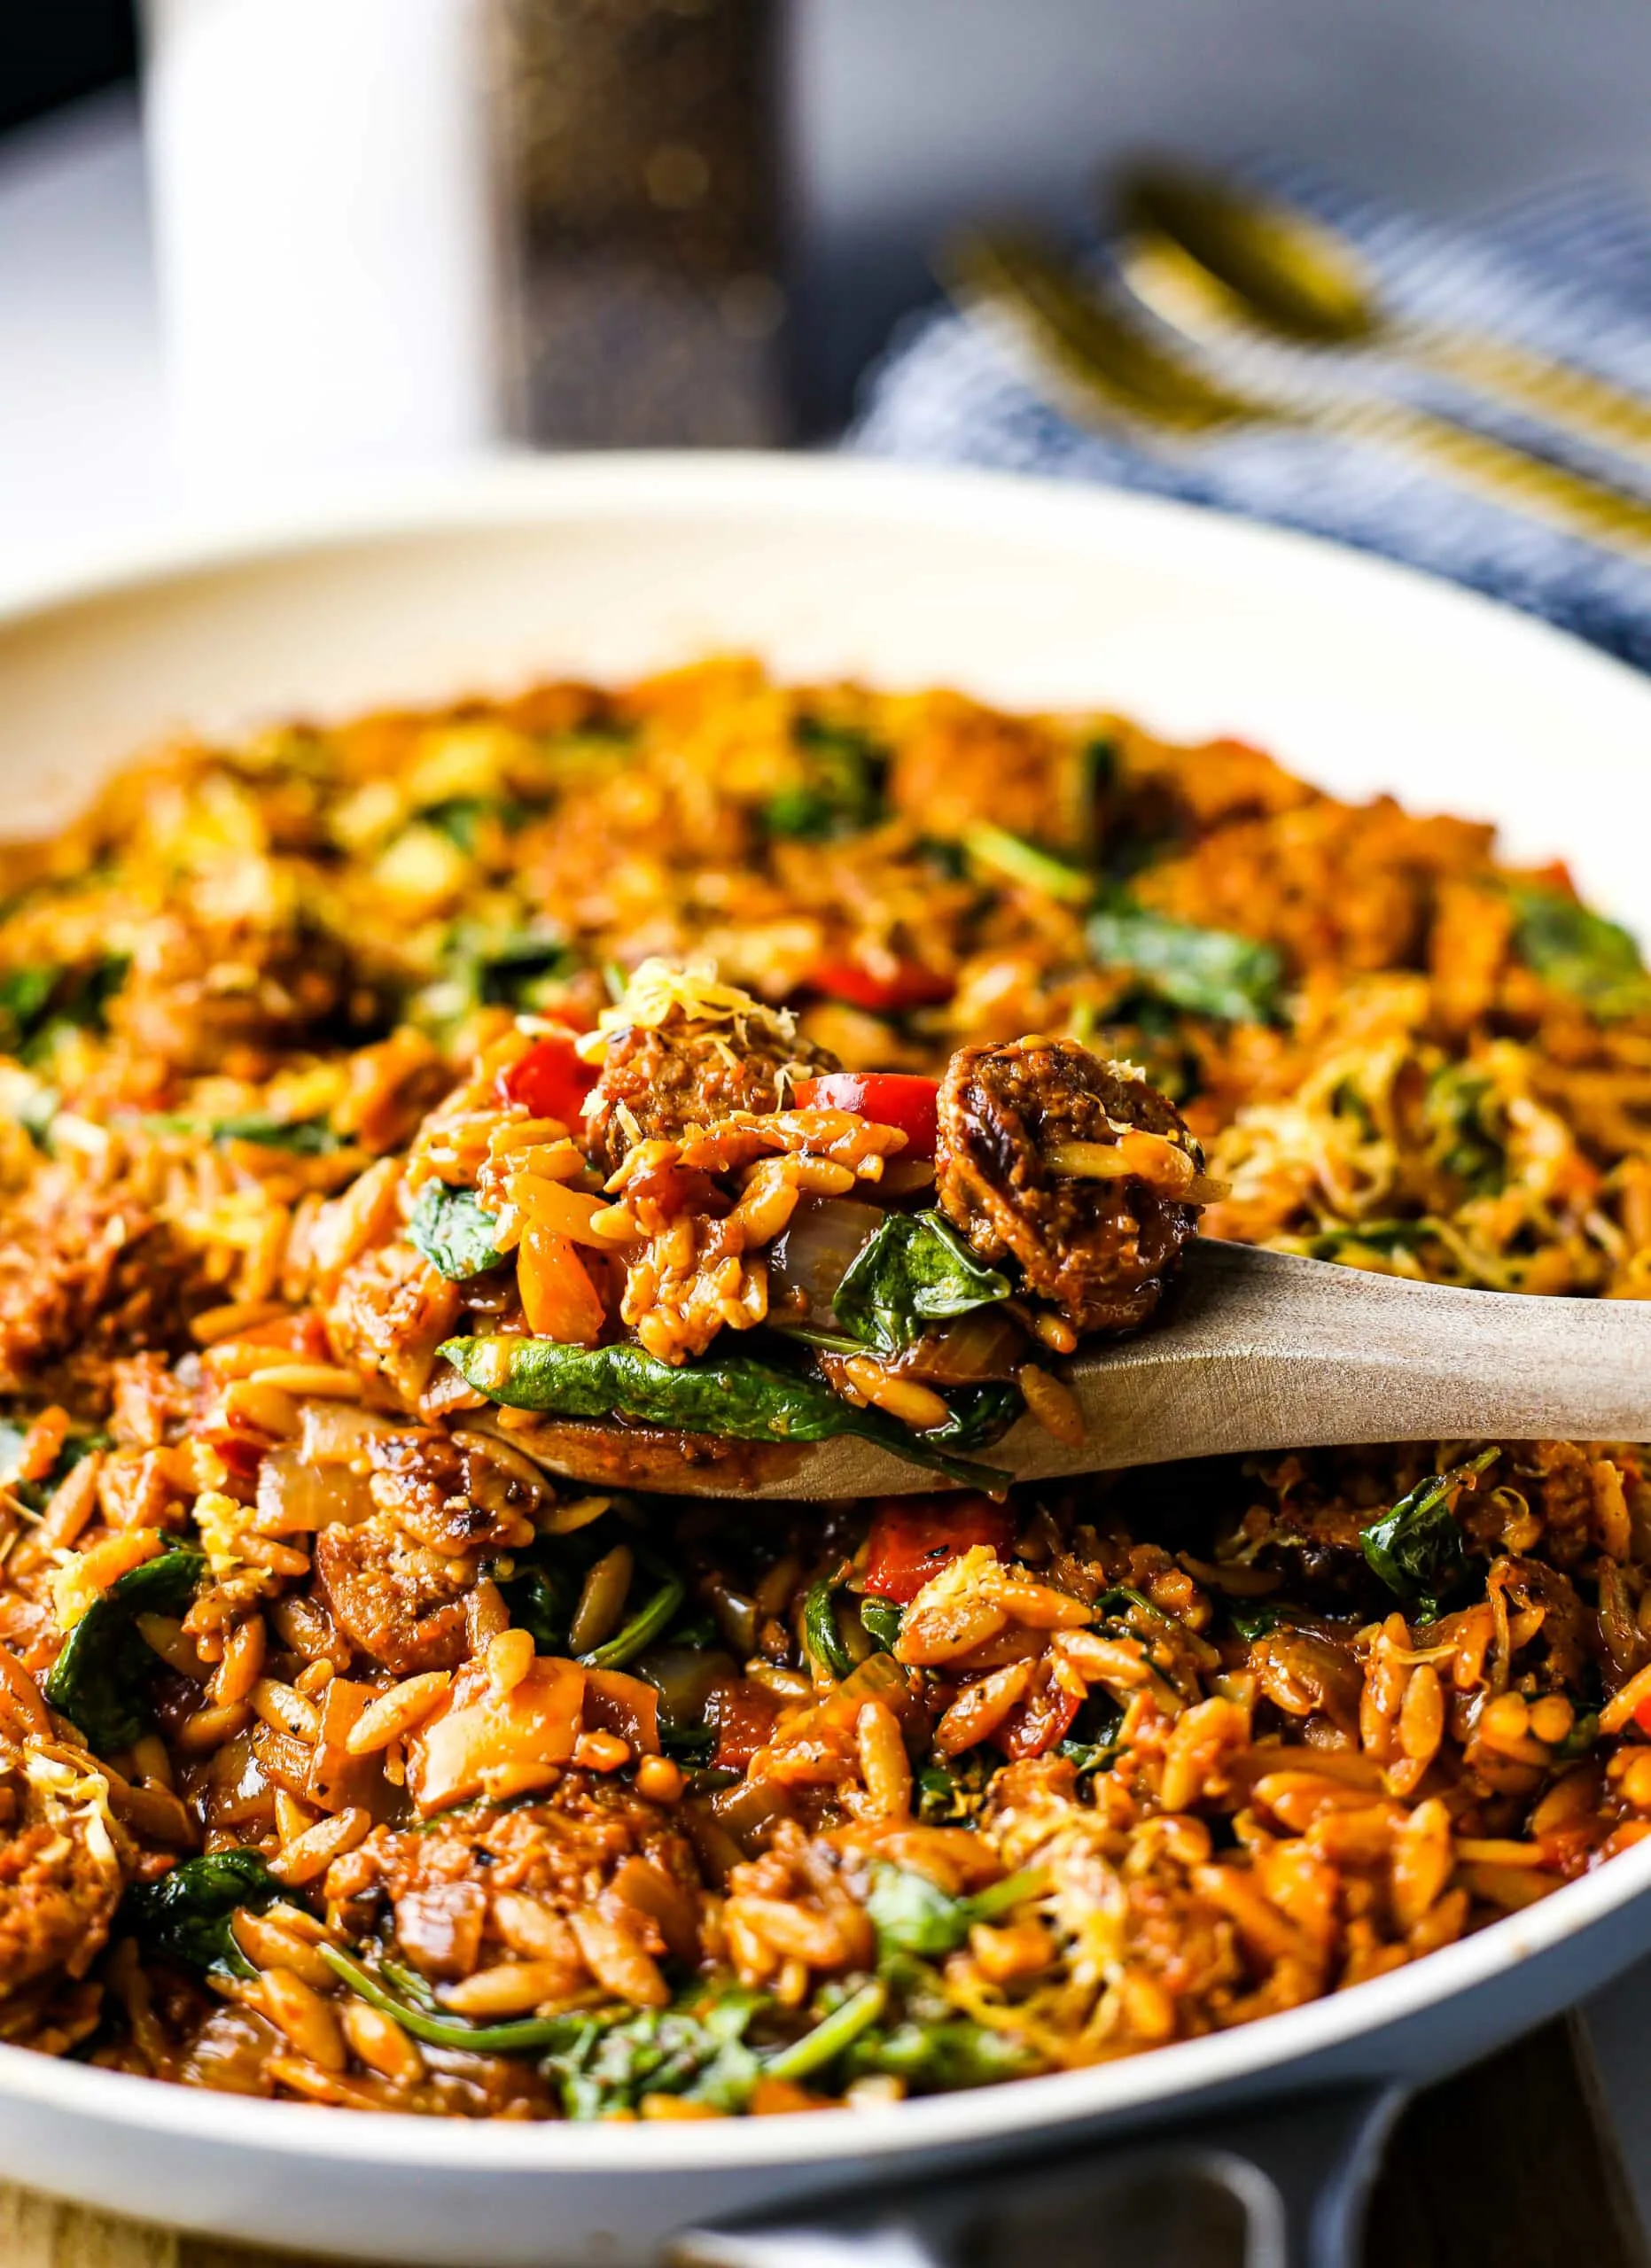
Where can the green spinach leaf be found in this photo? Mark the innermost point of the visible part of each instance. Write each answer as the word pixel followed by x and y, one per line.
pixel 1093 1742
pixel 821 1637
pixel 880 1618
pixel 36 999
pixel 912 1271
pixel 697 2050
pixel 455 1231
pixel 935 2058
pixel 1579 951
pixel 737 1395
pixel 185 1916
pixel 841 791
pixel 1209 972
pixel 521 969
pixel 462 818
pixel 1417 1548
pixel 305 1137
pixel 101 1680
pixel 912 1914
pixel 1257 1621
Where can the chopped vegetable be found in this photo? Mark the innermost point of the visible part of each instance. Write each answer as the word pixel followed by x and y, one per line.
pixel 35 1000
pixel 1579 951
pixel 911 1540
pixel 521 2036
pixel 888 1098
pixel 880 1618
pixel 477 1733
pixel 830 2035
pixel 736 1395
pixel 550 1081
pixel 883 992
pixel 1417 1548
pixel 521 969
pixel 697 2050
pixel 306 1137
pixel 841 790
pixel 650 1622
pixel 820 1634
pixel 101 1680
pixel 186 1915
pixel 1028 864
pixel 1209 972
pixel 455 1232
pixel 916 1269
pixel 938 2056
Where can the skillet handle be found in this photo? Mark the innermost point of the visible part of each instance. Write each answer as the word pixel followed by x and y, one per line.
pixel 1299 2173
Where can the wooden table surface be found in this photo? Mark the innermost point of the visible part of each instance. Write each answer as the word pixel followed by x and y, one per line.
pixel 1510 2166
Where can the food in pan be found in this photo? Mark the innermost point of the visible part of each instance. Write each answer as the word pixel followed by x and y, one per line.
pixel 711 1062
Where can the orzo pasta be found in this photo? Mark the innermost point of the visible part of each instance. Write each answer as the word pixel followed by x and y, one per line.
pixel 709 1059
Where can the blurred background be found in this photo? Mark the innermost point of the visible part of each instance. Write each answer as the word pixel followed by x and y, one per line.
pixel 390 231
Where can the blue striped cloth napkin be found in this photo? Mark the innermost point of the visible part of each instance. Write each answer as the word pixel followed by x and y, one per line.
pixel 1569 271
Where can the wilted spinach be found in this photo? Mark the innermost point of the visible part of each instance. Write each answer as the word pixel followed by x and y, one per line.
pixel 521 969
pixel 821 1637
pixel 40 997
pixel 880 1618
pixel 455 1232
pixel 912 1914
pixel 462 818
pixel 1092 1744
pixel 102 1679
pixel 395 1993
pixel 305 1137
pixel 1258 1620
pixel 913 1270
pixel 697 2050
pixel 185 1916
pixel 841 791
pixel 938 2056
pixel 1209 972
pixel 736 1396
pixel 1579 951
pixel 1417 1548
pixel 1458 1110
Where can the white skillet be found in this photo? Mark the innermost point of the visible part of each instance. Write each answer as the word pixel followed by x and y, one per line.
pixel 1361 677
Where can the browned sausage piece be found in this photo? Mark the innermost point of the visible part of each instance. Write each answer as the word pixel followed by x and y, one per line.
pixel 656 1081
pixel 1028 1168
pixel 396 1600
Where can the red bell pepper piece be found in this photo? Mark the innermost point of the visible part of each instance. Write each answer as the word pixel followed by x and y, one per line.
pixel 549 1081
pixel 1035 1723
pixel 891 1098
pixel 912 1540
pixel 908 984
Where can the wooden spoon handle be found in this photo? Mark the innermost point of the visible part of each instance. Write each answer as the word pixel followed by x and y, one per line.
pixel 1261 1350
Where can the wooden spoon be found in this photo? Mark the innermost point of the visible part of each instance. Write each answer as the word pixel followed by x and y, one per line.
pixel 1253 1351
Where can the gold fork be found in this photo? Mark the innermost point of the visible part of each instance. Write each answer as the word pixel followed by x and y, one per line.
pixel 1214 259
pixel 1105 366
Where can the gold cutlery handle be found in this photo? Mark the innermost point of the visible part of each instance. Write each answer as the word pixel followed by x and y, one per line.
pixel 1098 357
pixel 1609 518
pixel 1541 385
